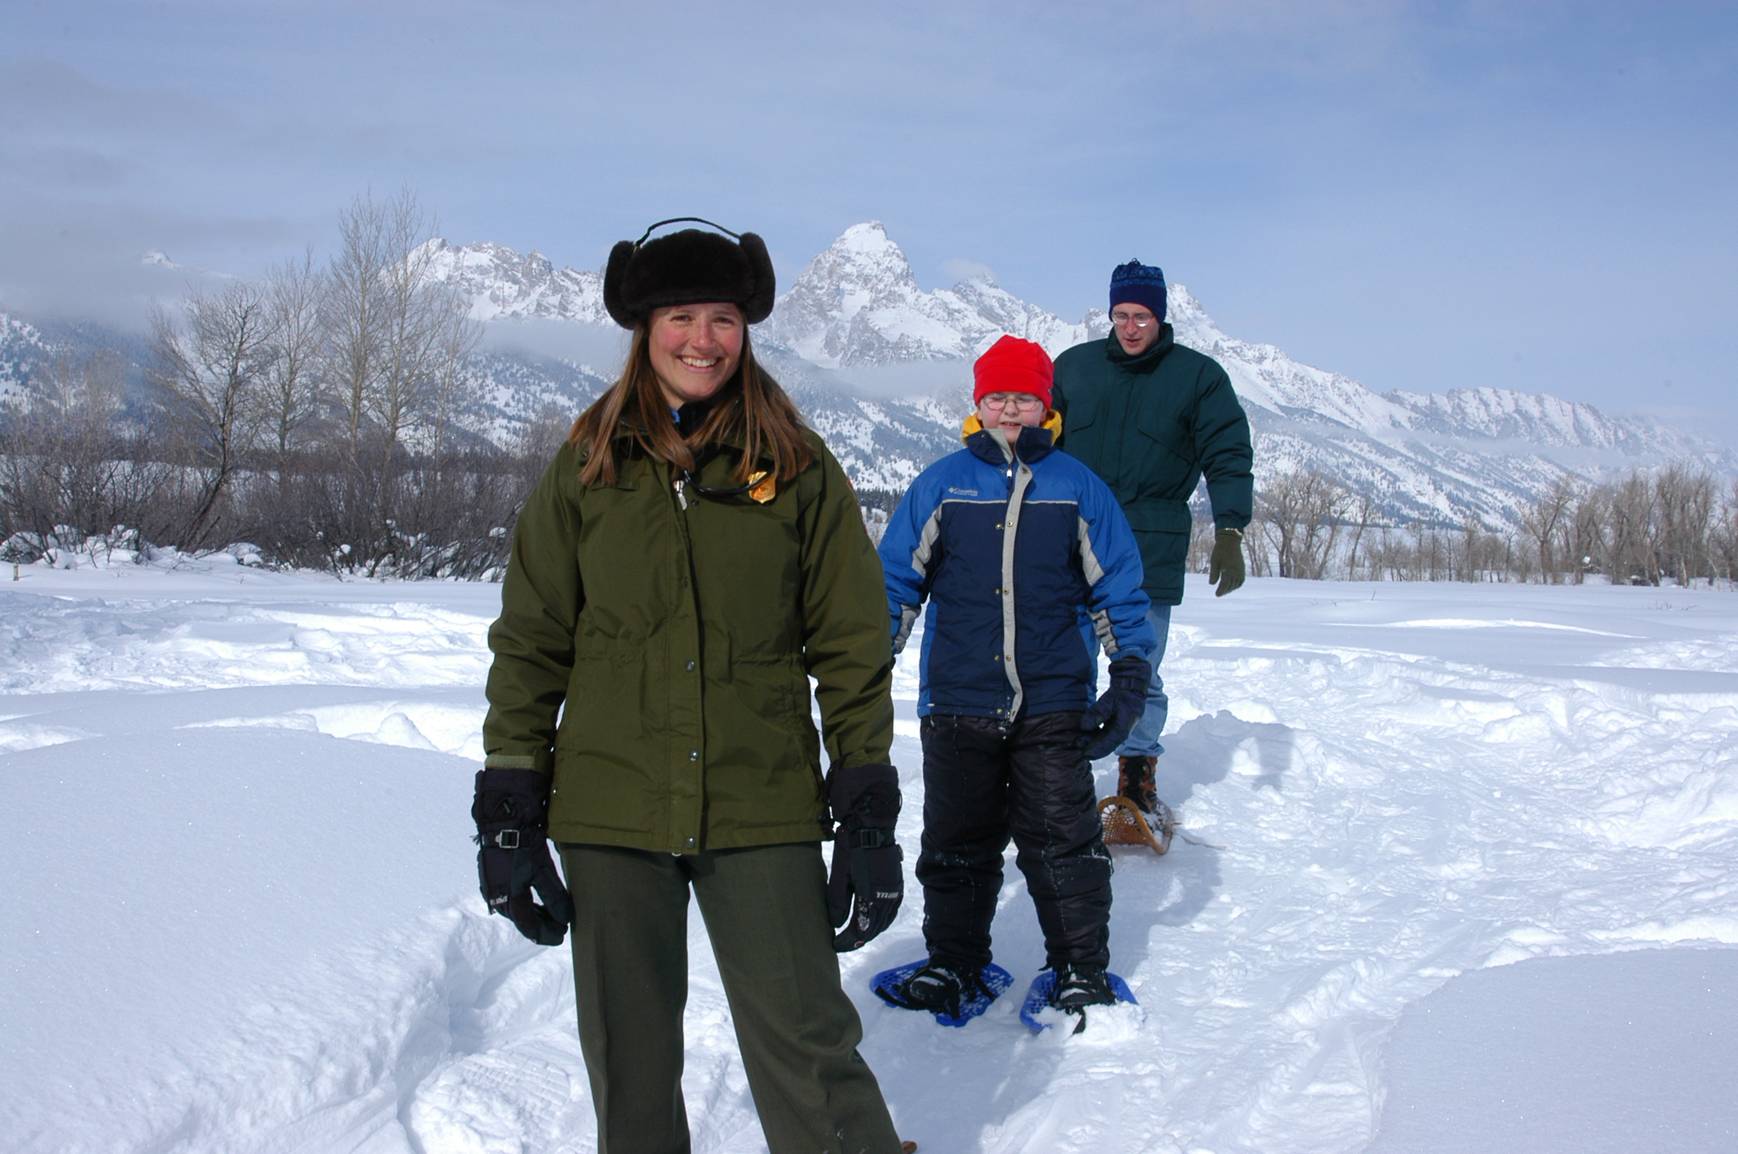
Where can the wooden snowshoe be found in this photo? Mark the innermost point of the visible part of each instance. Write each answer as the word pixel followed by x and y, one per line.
pixel 1125 824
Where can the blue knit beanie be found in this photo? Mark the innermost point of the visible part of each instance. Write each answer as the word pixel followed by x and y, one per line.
pixel 1135 283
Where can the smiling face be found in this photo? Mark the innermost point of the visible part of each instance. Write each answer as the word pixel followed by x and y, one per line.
pixel 694 349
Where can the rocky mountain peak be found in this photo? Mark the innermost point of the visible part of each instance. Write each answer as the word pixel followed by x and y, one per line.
pixel 861 266
pixel 857 304
pixel 503 283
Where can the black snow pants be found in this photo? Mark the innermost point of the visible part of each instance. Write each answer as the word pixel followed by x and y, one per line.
pixel 984 780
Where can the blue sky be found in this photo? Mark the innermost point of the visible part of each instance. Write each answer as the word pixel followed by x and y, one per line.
pixel 1422 196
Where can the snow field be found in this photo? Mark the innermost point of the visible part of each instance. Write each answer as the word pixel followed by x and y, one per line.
pixel 240 904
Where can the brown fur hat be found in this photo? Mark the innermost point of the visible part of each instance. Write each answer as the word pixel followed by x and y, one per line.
pixel 684 268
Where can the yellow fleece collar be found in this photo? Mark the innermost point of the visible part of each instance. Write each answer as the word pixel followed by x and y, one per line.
pixel 1052 421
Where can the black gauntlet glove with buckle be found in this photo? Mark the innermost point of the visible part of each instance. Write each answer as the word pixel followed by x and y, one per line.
pixel 867 880
pixel 511 810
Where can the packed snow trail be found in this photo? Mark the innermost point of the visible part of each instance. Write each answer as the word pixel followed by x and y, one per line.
pixel 240 911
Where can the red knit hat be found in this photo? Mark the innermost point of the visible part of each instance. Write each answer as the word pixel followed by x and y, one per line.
pixel 1012 365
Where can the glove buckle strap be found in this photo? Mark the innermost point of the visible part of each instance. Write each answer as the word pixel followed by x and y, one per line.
pixel 871 838
pixel 506 839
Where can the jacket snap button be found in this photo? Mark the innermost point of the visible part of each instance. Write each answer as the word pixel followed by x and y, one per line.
pixel 693 755
pixel 690 667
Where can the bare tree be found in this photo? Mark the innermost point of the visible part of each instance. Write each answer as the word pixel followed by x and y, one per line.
pixel 417 315
pixel 1685 498
pixel 292 395
pixel 456 339
pixel 1632 545
pixel 58 466
pixel 1363 508
pixel 354 308
pixel 1723 538
pixel 1301 520
pixel 1588 527
pixel 212 363
pixel 1542 521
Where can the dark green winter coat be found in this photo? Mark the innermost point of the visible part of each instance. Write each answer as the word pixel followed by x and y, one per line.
pixel 1151 425
pixel 680 632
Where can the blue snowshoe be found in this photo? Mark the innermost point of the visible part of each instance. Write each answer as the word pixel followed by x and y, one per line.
pixel 954 996
pixel 1072 989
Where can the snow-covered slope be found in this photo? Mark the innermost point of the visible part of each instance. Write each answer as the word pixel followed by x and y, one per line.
pixel 23 352
pixel 502 283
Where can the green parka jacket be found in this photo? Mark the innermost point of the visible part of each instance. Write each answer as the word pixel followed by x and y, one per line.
pixel 1150 425
pixel 675 633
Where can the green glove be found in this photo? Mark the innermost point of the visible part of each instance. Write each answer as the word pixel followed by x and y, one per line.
pixel 1225 567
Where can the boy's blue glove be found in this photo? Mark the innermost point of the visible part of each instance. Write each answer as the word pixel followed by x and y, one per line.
pixel 1108 720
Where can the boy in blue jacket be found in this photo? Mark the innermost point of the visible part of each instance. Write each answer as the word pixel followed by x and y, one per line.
pixel 1015 544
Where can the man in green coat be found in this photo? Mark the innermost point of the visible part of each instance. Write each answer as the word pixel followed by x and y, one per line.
pixel 1151 417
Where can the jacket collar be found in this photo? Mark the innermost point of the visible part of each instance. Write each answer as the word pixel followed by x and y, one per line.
pixel 688 418
pixel 1145 360
pixel 991 446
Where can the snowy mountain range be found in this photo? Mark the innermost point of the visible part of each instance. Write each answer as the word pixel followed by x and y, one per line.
pixel 881 368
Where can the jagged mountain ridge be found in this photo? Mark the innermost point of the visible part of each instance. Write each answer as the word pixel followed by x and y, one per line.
pixel 503 284
pixel 858 304
pixel 881 367
pixel 856 314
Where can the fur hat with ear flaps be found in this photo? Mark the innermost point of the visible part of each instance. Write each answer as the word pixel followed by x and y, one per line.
pixel 684 268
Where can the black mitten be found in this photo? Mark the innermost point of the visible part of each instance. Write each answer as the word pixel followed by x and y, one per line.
pixel 1109 719
pixel 511 810
pixel 867 881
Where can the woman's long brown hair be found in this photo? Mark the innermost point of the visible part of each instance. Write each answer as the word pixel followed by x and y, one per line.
pixel 751 407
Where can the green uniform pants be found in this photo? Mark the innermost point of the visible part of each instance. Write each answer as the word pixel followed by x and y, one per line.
pixel 765 912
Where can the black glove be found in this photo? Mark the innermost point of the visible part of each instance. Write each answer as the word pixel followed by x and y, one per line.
pixel 1225 566
pixel 866 859
pixel 512 815
pixel 1109 719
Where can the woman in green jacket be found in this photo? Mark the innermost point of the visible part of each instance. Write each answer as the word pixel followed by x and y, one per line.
pixel 691 558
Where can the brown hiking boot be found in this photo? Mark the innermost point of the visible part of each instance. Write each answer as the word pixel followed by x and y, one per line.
pixel 1135 780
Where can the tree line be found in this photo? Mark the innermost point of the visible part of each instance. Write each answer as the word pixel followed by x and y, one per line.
pixel 1678 523
pixel 317 413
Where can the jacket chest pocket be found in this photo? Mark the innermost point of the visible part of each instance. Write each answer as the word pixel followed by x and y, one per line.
pixel 1164 435
pixel 1084 428
pixel 630 559
pixel 746 571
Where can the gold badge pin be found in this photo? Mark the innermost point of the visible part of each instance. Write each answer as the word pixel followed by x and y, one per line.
pixel 763 487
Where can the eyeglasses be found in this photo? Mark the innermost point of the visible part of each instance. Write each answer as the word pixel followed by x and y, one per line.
pixel 1140 322
pixel 1025 402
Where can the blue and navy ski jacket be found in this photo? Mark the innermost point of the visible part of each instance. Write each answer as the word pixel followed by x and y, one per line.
pixel 1016 550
